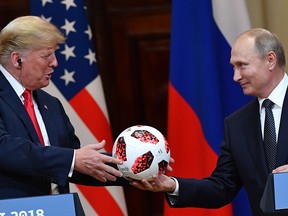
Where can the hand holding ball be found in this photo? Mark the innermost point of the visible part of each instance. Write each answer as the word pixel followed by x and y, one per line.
pixel 144 151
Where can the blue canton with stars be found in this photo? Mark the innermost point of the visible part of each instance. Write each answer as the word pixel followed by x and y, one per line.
pixel 77 64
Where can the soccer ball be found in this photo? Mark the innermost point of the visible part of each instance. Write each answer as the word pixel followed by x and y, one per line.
pixel 144 152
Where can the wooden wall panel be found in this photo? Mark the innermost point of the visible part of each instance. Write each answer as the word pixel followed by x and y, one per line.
pixel 12 9
pixel 122 31
pixel 133 39
pixel 153 79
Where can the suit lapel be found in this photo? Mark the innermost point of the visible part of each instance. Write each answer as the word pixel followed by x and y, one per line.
pixel 47 118
pixel 252 131
pixel 8 94
pixel 282 145
pixel 256 144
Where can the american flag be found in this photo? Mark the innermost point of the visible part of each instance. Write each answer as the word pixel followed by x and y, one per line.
pixel 77 83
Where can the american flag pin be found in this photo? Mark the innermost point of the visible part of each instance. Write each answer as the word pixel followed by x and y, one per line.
pixel 45 107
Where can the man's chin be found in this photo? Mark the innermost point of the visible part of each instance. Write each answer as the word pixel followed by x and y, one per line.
pixel 247 92
pixel 46 83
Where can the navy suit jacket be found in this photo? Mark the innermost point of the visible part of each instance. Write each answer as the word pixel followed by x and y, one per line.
pixel 241 163
pixel 26 167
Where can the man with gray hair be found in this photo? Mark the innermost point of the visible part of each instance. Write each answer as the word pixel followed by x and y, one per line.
pixel 248 154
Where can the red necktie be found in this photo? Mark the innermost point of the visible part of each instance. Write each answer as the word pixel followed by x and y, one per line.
pixel 28 104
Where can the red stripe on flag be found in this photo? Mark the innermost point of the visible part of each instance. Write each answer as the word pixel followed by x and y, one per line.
pixel 193 155
pixel 91 114
pixel 101 200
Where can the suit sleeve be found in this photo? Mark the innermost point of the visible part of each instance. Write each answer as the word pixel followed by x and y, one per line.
pixel 214 191
pixel 22 156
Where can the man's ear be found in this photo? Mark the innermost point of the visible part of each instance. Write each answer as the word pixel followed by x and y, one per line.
pixel 272 59
pixel 16 60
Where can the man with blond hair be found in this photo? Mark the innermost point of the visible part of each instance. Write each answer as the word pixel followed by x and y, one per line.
pixel 41 154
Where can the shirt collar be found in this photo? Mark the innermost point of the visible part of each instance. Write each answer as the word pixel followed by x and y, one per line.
pixel 18 88
pixel 278 94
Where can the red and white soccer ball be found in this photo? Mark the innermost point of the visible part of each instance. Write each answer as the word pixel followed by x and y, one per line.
pixel 143 150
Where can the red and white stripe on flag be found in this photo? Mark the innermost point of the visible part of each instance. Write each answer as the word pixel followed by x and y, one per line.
pixel 95 200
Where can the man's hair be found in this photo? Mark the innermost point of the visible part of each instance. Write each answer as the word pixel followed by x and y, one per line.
pixel 266 41
pixel 27 33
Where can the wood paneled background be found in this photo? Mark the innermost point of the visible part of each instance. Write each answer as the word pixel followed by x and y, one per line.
pixel 132 40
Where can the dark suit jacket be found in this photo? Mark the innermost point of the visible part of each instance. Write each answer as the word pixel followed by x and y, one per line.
pixel 241 163
pixel 26 167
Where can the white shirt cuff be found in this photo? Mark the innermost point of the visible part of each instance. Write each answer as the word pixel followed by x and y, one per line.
pixel 72 165
pixel 176 191
pixel 172 197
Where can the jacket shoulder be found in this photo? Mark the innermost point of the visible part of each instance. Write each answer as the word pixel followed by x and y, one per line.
pixel 247 110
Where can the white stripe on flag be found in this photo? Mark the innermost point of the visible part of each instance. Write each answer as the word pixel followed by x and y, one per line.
pixel 231 17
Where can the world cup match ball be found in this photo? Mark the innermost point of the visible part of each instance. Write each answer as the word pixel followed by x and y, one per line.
pixel 144 151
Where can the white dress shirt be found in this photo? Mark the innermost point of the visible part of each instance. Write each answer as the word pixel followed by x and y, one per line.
pixel 19 89
pixel 277 97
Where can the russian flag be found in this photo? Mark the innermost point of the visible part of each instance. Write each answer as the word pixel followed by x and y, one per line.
pixel 202 91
